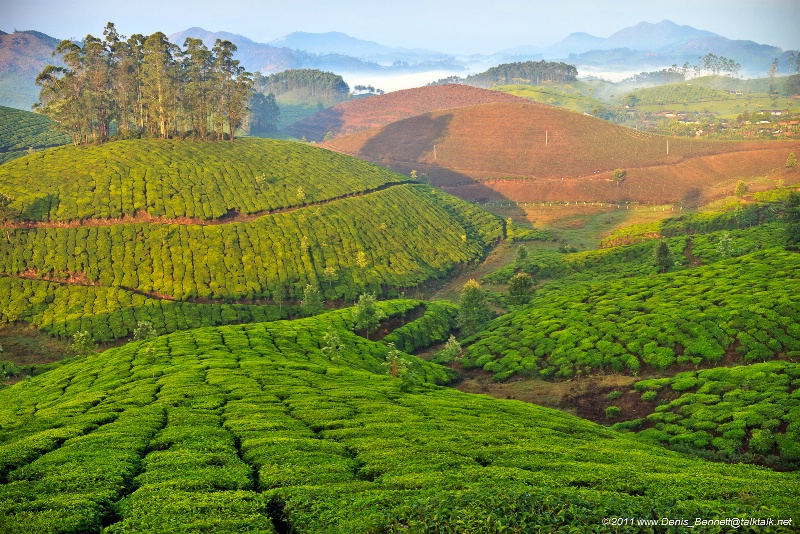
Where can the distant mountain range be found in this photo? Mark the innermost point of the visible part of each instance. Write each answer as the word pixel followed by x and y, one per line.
pixel 653 46
pixel 645 46
pixel 331 51
pixel 23 55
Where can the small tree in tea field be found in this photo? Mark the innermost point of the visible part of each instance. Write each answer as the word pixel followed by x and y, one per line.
pixel 473 312
pixel 663 257
pixel 366 315
pixel 520 289
pixel 741 189
pixel 312 300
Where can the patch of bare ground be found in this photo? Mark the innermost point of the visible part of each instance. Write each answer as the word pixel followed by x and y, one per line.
pixel 24 344
pixel 375 111
pixel 534 153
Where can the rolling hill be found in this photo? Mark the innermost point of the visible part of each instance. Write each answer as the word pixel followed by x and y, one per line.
pixel 257 427
pixel 196 233
pixel 529 152
pixel 22 131
pixel 375 111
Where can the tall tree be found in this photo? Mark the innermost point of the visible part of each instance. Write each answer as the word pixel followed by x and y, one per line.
pixel 773 72
pixel 791 217
pixel 264 113
pixel 198 65
pixel 520 289
pixel 158 81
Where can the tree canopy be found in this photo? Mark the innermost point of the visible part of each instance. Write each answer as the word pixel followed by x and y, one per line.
pixel 303 83
pixel 144 86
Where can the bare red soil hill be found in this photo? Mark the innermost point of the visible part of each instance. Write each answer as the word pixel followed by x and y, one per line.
pixel 532 152
pixel 375 111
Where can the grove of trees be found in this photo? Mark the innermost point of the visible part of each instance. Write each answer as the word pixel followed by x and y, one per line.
pixel 305 83
pixel 144 86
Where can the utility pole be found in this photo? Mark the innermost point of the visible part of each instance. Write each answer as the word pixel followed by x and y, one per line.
pixel 667 147
pixel 434 152
pixel 545 138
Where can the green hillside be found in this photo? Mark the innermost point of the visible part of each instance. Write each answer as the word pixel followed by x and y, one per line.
pixel 753 408
pixel 316 218
pixel 577 96
pixel 204 180
pixel 363 239
pixel 22 131
pixel 256 428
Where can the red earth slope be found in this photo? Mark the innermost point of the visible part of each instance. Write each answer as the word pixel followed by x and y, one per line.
pixel 371 112
pixel 532 152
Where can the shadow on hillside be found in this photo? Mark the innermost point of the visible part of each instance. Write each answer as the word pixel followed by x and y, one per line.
pixel 40 208
pixel 315 127
pixel 407 140
pixel 400 146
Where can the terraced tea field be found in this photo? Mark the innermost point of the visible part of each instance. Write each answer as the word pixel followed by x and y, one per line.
pixel 244 427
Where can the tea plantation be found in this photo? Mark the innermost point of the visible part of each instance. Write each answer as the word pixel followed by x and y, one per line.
pixel 256 428
pixel 316 218
pixel 23 131
pixel 170 179
pixel 749 413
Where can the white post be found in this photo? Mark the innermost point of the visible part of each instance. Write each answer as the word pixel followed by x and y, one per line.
pixel 434 152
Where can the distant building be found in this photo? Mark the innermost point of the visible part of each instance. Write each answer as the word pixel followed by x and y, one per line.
pixel 776 112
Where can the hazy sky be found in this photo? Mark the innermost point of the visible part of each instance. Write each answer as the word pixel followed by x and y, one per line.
pixel 468 26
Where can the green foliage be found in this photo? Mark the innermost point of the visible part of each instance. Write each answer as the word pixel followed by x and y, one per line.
pixel 109 313
pixel 663 257
pixel 791 161
pixel 735 414
pixel 528 72
pixel 144 86
pixel 312 300
pixel 82 343
pixel 473 312
pixel 5 207
pixel 144 331
pixel 252 260
pixel 450 353
pixel 744 306
pixel 21 131
pixel 303 84
pixel 334 345
pixel 253 427
pixel 791 219
pixel 612 412
pixel 520 289
pixel 172 179
pixel 366 315
pixel 620 175
pixel 741 189
pixel 521 256
pixel 435 325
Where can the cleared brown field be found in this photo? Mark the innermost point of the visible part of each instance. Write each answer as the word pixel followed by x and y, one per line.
pixel 375 111
pixel 530 152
